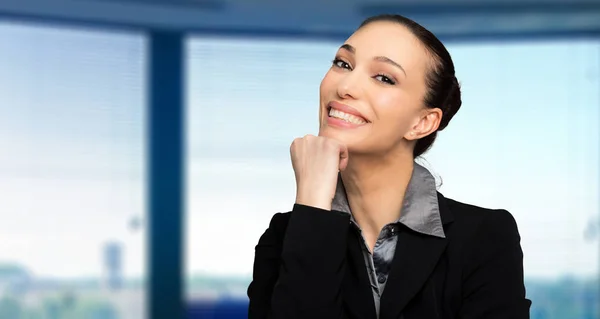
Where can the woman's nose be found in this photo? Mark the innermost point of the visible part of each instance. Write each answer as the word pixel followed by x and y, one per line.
pixel 349 87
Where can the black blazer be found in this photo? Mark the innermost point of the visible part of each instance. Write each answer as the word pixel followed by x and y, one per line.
pixel 308 264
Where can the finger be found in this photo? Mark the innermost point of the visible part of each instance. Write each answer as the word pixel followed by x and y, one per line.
pixel 343 157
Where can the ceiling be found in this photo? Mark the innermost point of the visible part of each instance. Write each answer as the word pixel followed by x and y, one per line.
pixel 322 18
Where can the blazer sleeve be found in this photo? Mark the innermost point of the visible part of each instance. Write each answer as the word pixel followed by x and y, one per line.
pixel 493 284
pixel 299 274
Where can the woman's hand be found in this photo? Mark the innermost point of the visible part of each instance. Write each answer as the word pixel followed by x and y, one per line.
pixel 316 161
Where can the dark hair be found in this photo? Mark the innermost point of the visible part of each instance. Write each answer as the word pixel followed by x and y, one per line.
pixel 443 88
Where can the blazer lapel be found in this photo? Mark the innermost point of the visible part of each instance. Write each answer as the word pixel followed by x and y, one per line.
pixel 414 260
pixel 357 291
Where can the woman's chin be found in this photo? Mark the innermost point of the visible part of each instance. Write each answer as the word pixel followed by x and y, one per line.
pixel 342 137
pixel 332 133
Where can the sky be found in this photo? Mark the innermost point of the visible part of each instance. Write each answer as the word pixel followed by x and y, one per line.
pixel 72 109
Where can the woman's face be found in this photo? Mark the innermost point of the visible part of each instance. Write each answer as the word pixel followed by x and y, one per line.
pixel 372 97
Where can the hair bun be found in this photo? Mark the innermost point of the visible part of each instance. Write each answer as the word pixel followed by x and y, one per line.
pixel 451 104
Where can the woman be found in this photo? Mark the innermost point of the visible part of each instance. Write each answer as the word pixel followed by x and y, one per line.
pixel 369 235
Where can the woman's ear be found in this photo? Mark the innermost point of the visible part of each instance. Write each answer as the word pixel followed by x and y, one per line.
pixel 428 123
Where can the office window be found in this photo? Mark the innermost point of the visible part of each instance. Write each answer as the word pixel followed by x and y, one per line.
pixel 526 139
pixel 72 179
pixel 247 100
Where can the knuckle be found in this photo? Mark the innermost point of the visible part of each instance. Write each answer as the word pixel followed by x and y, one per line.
pixel 294 143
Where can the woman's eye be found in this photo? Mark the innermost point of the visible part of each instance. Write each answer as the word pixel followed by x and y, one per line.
pixel 385 79
pixel 341 64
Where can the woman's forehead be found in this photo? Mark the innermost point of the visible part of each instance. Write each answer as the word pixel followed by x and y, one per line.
pixel 391 40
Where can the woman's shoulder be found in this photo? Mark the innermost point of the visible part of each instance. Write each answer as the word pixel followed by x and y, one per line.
pixel 480 224
pixel 279 221
pixel 472 214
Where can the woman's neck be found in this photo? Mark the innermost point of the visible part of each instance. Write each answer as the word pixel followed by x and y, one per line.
pixel 376 190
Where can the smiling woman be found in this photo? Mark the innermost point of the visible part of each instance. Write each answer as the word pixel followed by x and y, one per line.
pixel 369 235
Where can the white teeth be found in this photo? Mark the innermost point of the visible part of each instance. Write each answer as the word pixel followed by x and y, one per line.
pixel 346 117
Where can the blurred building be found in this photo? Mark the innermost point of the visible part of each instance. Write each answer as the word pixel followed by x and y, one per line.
pixel 113 266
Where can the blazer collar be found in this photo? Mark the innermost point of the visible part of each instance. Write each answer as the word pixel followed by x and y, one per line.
pixel 414 261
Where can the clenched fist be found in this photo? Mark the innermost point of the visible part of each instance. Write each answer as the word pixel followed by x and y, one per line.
pixel 316 161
